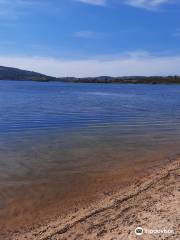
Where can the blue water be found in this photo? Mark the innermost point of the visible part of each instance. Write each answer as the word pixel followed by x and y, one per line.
pixel 60 138
pixel 42 106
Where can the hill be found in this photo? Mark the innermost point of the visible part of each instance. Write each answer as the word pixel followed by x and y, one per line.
pixel 8 73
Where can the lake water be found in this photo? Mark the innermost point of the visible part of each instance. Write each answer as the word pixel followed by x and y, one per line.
pixel 61 144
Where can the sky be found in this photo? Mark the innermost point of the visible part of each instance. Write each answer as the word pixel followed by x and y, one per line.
pixel 91 37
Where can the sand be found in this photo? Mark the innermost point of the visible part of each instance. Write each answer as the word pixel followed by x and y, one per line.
pixel 152 203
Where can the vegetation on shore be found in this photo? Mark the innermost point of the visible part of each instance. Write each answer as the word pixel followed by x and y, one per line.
pixel 8 73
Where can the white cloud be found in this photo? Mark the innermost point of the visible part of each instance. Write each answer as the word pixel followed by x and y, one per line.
pixel 88 34
pixel 147 4
pixel 94 2
pixel 12 9
pixel 134 63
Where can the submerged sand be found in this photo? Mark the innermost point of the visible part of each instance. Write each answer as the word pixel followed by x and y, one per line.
pixel 152 203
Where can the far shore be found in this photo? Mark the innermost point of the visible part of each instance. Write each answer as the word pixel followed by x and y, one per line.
pixel 151 203
pixel 15 74
pixel 152 80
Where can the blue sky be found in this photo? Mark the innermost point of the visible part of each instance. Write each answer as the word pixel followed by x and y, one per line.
pixel 91 37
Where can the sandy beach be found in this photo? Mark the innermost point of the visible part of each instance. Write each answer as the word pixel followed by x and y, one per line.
pixel 89 120
pixel 151 203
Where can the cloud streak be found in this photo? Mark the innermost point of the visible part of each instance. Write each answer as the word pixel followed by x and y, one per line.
pixel 88 34
pixel 94 2
pixel 146 4
pixel 12 9
pixel 134 63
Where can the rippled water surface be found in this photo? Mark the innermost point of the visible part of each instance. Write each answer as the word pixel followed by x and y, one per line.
pixel 59 141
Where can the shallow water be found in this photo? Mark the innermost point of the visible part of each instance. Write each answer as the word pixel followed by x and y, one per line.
pixel 61 142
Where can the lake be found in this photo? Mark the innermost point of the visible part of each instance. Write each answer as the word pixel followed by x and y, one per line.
pixel 65 144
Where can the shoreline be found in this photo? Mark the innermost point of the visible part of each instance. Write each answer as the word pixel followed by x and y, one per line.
pixel 16 74
pixel 116 216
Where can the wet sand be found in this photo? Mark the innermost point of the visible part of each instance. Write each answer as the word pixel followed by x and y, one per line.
pixel 30 205
pixel 151 202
